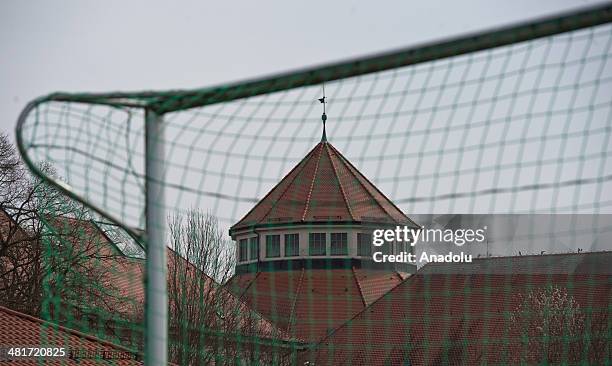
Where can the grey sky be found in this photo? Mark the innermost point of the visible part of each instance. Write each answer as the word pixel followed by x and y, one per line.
pixel 133 45
pixel 500 119
pixel 246 148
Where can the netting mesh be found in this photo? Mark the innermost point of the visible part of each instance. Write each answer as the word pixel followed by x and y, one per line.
pixel 520 128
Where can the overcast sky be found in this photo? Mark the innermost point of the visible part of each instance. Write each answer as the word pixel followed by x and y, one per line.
pixel 48 46
pixel 87 46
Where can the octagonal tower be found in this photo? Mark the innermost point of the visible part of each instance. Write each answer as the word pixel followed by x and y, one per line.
pixel 305 250
pixel 320 215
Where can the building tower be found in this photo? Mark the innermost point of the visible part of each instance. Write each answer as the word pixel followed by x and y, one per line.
pixel 305 250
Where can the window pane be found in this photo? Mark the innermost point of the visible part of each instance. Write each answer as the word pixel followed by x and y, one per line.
pixel 242 250
pixel 272 246
pixel 317 243
pixel 400 247
pixel 364 245
pixel 292 245
pixel 254 247
pixel 386 248
pixel 339 244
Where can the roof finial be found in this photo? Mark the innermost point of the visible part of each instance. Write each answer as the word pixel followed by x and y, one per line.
pixel 323 116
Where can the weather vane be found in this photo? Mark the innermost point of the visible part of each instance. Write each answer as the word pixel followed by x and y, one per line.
pixel 323 116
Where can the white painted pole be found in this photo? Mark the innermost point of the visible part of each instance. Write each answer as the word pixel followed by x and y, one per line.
pixel 156 295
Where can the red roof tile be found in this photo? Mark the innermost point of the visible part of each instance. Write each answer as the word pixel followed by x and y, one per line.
pixel 130 280
pixel 308 304
pixel 445 316
pixel 126 275
pixel 18 329
pixel 323 187
pixel 374 284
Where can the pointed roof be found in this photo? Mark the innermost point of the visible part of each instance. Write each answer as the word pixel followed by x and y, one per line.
pixel 323 187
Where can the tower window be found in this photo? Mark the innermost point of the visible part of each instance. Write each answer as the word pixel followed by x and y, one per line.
pixel 254 247
pixel 317 244
pixel 364 245
pixel 339 244
pixel 292 245
pixel 272 246
pixel 400 247
pixel 242 250
pixel 387 247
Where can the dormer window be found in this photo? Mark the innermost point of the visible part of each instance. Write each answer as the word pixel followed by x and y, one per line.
pixel 292 245
pixel 339 244
pixel 254 247
pixel 317 244
pixel 401 247
pixel 364 245
pixel 272 246
pixel 387 247
pixel 243 250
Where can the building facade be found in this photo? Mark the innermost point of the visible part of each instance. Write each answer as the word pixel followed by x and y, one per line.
pixel 305 250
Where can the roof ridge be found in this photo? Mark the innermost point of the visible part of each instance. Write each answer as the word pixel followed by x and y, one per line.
pixel 314 176
pixel 108 239
pixel 501 257
pixel 304 159
pixel 249 286
pixel 344 160
pixel 365 304
pixel 297 293
pixel 255 311
pixel 348 206
pixel 352 169
pixel 346 323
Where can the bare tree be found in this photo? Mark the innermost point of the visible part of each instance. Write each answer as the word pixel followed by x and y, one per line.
pixel 53 259
pixel 207 323
pixel 23 198
pixel 79 268
pixel 20 274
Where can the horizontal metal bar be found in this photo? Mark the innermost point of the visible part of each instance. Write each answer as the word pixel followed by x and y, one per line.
pixel 176 100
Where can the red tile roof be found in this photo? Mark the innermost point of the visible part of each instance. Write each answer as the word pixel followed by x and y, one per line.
pixel 310 303
pixel 449 314
pixel 18 329
pixel 126 275
pixel 323 187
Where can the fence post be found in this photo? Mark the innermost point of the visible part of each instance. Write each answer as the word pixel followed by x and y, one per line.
pixel 156 295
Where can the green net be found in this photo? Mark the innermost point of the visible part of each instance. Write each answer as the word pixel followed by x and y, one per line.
pixel 516 121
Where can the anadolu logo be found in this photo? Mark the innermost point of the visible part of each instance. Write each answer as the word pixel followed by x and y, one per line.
pixel 423 236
